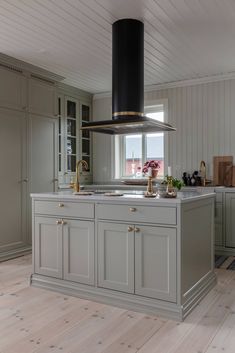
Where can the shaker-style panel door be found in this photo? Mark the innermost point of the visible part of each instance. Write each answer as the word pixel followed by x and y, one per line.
pixel 13 181
pixel 79 251
pixel 155 262
pixel 116 256
pixel 48 246
pixel 230 219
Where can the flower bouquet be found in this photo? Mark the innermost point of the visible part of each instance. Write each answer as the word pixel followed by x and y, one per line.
pixel 150 168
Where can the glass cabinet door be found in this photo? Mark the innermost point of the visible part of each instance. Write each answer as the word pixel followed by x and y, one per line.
pixel 60 135
pixel 73 144
pixel 86 137
pixel 71 133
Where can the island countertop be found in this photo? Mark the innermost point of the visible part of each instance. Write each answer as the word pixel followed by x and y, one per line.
pixel 182 197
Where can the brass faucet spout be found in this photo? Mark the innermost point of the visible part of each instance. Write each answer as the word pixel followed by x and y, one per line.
pixel 77 181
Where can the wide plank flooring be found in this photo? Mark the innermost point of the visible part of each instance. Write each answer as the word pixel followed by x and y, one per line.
pixel 35 320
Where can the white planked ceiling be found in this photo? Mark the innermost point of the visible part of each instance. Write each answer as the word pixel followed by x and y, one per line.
pixel 184 39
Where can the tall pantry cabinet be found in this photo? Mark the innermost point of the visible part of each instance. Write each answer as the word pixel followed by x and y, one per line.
pixel 28 153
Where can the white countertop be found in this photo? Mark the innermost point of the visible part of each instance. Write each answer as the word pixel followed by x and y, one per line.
pixel 182 197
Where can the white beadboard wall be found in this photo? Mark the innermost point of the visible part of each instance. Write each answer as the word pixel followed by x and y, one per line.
pixel 204 115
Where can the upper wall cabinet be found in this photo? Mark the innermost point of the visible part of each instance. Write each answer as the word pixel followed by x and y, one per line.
pixel 73 143
pixel 12 89
pixel 86 147
pixel 42 97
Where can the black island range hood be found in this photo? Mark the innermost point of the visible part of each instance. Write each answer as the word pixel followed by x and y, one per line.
pixel 127 84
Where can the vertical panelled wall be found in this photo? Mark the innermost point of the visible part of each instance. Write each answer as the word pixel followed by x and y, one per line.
pixel 204 115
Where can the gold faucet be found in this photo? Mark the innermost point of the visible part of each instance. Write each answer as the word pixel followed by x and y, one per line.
pixel 203 172
pixel 76 185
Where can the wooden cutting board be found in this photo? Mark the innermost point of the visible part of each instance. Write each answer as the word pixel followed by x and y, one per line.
pixel 225 173
pixel 222 170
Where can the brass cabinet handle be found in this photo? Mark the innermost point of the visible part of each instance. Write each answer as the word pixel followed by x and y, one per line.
pixel 61 205
pixel 130 229
pixel 58 222
pixel 136 229
pixel 132 209
pixel 63 222
pixel 25 180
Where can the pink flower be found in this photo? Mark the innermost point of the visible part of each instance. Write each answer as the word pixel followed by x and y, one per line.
pixel 150 164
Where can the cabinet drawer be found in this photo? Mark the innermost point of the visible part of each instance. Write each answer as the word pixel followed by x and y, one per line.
pixel 65 209
pixel 130 213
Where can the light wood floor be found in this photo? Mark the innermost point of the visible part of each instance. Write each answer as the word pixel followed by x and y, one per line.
pixel 34 320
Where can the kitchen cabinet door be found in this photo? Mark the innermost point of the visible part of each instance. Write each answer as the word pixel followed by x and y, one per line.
pixel 43 154
pixel 12 89
pixel 43 175
pixel 48 246
pixel 230 219
pixel 42 98
pixel 219 224
pixel 79 241
pixel 116 256
pixel 155 262
pixel 13 181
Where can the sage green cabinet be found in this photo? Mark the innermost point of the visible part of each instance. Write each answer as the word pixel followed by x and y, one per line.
pixel 14 238
pixel 43 153
pixel 155 262
pixel 48 247
pixel 42 97
pixel 116 256
pixel 138 259
pixel 78 251
pixel 65 249
pixel 230 219
pixel 13 89
pixel 218 224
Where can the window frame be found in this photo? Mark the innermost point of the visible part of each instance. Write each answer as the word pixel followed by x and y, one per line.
pixel 118 144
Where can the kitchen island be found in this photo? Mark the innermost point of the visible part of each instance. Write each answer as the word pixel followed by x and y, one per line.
pixel 149 254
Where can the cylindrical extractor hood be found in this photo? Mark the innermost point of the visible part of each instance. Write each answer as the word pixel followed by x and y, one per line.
pixel 127 84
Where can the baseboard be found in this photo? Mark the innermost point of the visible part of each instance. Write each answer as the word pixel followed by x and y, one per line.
pixel 198 292
pixel 225 251
pixel 13 253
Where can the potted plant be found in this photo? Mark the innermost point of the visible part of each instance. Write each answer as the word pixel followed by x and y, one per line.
pixel 176 183
pixel 151 168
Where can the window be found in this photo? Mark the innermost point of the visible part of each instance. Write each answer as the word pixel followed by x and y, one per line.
pixel 132 151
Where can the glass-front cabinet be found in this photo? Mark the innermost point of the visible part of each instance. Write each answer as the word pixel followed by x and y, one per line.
pixel 86 136
pixel 72 133
pixel 73 144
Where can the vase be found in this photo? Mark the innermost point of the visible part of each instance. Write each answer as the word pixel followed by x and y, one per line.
pixel 154 173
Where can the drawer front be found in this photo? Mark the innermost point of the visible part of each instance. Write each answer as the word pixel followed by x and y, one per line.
pixel 136 214
pixel 65 209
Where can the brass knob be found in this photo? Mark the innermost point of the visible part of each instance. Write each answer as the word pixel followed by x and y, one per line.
pixel 132 209
pixel 137 229
pixel 63 222
pixel 58 222
pixel 130 229
pixel 61 205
